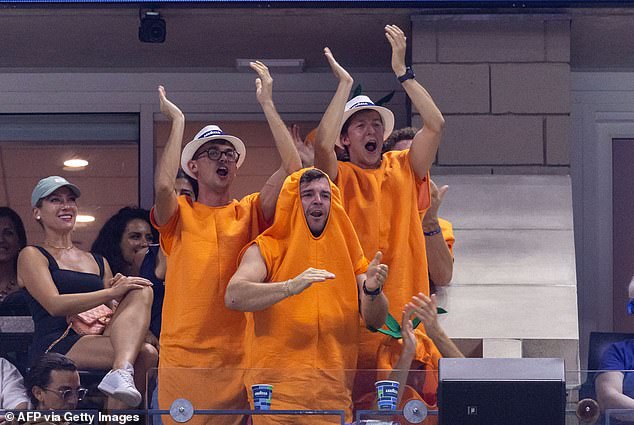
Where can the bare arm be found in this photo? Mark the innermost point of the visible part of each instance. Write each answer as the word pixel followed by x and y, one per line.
pixel 373 307
pixel 425 308
pixel 610 395
pixel 401 369
pixel 282 137
pixel 33 274
pixel 330 124
pixel 166 203
pixel 247 290
pixel 426 141
pixel 439 259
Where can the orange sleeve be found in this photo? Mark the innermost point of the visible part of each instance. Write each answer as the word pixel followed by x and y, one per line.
pixel 422 184
pixel 168 230
pixel 447 233
pixel 424 193
pixel 258 224
pixel 361 266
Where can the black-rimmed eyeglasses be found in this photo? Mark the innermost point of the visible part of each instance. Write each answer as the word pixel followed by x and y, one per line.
pixel 68 394
pixel 216 154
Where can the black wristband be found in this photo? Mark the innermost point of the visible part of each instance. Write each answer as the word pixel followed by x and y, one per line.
pixel 433 232
pixel 409 75
pixel 374 293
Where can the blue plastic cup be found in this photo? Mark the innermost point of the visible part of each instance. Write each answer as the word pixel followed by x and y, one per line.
pixel 262 394
pixel 386 394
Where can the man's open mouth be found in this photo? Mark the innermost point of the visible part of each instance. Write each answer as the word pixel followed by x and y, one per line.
pixel 222 171
pixel 370 146
pixel 316 213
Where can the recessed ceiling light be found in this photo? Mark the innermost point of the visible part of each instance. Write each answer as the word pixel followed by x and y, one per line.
pixel 75 163
pixel 85 219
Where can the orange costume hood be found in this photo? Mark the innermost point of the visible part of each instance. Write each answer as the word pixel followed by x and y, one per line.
pixel 306 345
pixel 288 246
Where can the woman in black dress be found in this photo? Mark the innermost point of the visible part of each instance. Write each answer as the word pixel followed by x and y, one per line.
pixel 63 280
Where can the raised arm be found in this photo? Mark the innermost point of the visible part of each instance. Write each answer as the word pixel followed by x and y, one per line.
pixel 426 309
pixel 247 290
pixel 439 259
pixel 373 307
pixel 33 274
pixel 282 137
pixel 166 200
pixel 401 369
pixel 426 141
pixel 330 124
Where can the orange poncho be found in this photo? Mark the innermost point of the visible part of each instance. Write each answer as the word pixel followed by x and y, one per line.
pixel 424 376
pixel 447 233
pixel 384 205
pixel 202 244
pixel 308 342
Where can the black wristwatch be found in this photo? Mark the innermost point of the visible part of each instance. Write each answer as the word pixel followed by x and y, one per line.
pixel 374 293
pixel 409 75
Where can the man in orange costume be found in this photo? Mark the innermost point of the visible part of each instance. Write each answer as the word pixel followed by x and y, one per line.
pixel 306 281
pixel 435 229
pixel 384 195
pixel 202 342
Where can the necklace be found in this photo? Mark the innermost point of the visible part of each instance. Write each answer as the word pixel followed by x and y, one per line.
pixel 59 247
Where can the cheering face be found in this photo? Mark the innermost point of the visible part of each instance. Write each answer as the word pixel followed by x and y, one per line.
pixel 215 165
pixel 364 138
pixel 58 210
pixel 315 197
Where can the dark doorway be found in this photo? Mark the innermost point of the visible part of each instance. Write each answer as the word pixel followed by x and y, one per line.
pixel 622 230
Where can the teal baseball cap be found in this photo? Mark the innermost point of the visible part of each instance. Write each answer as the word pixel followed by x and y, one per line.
pixel 50 184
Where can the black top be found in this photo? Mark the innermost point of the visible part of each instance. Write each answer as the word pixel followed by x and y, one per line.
pixel 49 328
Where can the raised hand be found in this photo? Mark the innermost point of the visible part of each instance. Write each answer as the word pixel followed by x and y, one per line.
pixel 339 71
pixel 407 332
pixel 376 273
pixel 426 309
pixel 306 151
pixel 398 41
pixel 264 82
pixel 167 107
pixel 430 220
pixel 307 278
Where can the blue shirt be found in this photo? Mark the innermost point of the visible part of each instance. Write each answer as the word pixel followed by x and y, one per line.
pixel 620 356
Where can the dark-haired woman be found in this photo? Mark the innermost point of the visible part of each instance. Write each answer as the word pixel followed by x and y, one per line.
pixel 12 240
pixel 63 280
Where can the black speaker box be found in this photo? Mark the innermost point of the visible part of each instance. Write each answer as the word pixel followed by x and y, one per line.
pixel 501 392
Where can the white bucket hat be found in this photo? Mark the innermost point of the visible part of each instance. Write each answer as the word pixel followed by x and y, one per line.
pixel 359 103
pixel 210 132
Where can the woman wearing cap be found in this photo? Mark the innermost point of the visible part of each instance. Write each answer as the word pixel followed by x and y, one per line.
pixel 63 280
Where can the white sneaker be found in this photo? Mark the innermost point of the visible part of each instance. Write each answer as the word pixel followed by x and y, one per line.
pixel 119 384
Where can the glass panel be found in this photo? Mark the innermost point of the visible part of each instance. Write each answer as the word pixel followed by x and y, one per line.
pixel 323 397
